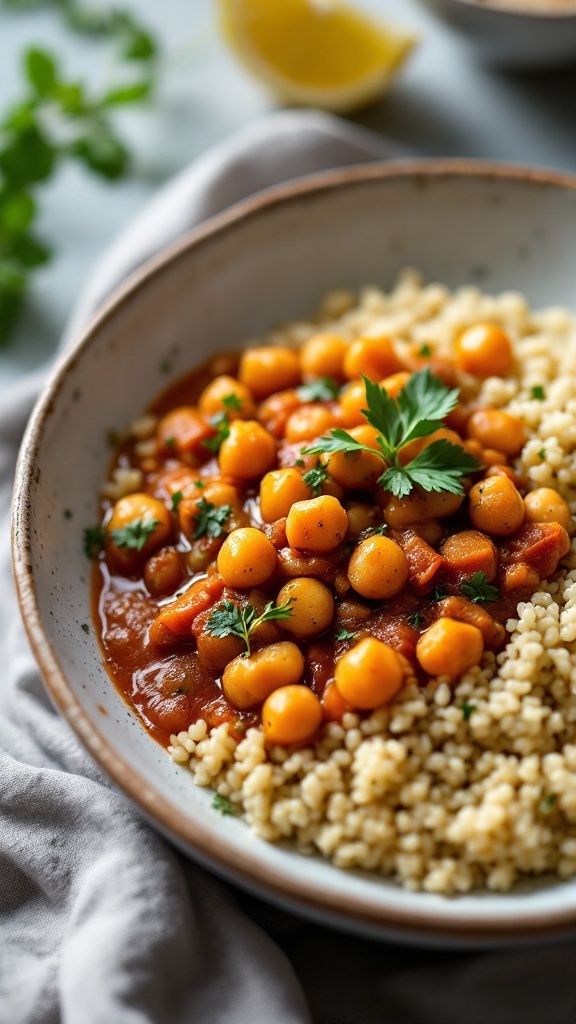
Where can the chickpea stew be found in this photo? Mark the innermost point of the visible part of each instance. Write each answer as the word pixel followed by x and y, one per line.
pixel 309 554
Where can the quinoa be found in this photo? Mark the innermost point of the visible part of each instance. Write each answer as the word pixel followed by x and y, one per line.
pixel 450 787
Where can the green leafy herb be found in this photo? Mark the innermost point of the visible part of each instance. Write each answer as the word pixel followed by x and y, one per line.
pixel 314 479
pixel 415 620
pixel 228 619
pixel 169 442
pixel 537 392
pixel 547 803
pixel 542 453
pixel 378 531
pixel 467 711
pixel 199 484
pixel 299 463
pixel 425 351
pixel 210 519
pixel 344 634
pixel 222 804
pixel 85 627
pixel 325 389
pixel 135 534
pixel 419 410
pixel 176 499
pixel 232 402
pixel 438 594
pixel 94 538
pixel 222 427
pixel 479 590
pixel 67 513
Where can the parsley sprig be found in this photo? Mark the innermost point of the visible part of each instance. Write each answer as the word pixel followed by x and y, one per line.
pixel 228 619
pixel 314 479
pixel 222 428
pixel 135 534
pixel 479 590
pixel 210 519
pixel 94 538
pixel 324 389
pixel 419 410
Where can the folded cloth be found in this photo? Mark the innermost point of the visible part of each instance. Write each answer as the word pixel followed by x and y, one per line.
pixel 103 922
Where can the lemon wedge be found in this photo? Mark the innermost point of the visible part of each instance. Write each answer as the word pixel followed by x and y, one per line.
pixel 320 53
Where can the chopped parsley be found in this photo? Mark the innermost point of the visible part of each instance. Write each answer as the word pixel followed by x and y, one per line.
pixel 135 534
pixel 467 711
pixel 325 389
pixel 85 627
pixel 222 804
pixel 415 620
pixel 547 803
pixel 210 519
pixel 228 619
pixel 314 479
pixel 542 453
pixel 176 499
pixel 479 590
pixel 232 402
pixel 537 392
pixel 378 531
pixel 438 594
pixel 199 484
pixel 94 538
pixel 425 351
pixel 300 463
pixel 222 427
pixel 345 634
pixel 420 409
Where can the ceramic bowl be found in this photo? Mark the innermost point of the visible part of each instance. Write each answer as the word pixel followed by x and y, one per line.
pixel 510 35
pixel 266 260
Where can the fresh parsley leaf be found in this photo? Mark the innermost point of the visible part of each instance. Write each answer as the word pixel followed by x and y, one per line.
pixel 438 594
pixel 315 478
pixel 176 499
pixel 542 453
pixel 232 402
pixel 418 411
pixel 467 711
pixel 325 389
pixel 344 634
pixel 479 590
pixel 85 627
pixel 199 484
pixel 537 392
pixel 210 519
pixel 415 620
pixel 300 463
pixel 379 531
pixel 169 442
pixel 424 351
pixel 135 534
pixel 94 538
pixel 229 619
pixel 222 427
pixel 222 804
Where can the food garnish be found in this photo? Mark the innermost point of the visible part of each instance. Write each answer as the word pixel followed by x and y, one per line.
pixel 479 590
pixel 229 619
pixel 324 389
pixel 135 534
pixel 315 478
pixel 210 519
pixel 94 538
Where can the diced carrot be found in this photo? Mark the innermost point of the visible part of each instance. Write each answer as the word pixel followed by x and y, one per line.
pixel 424 562
pixel 183 431
pixel 518 575
pixel 394 631
pixel 538 545
pixel 466 553
pixel 175 619
pixel 466 611
pixel 167 482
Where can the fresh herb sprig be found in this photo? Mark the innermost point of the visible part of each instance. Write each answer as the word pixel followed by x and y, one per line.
pixel 479 590
pixel 324 389
pixel 222 428
pixel 419 410
pixel 135 534
pixel 228 619
pixel 93 541
pixel 314 479
pixel 210 519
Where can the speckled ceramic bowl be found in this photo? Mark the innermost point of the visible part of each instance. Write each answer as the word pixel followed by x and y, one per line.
pixel 266 260
pixel 512 35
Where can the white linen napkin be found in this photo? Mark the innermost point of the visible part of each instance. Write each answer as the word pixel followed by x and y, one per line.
pixel 102 921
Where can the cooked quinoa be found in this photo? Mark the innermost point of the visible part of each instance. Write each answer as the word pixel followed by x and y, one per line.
pixel 450 787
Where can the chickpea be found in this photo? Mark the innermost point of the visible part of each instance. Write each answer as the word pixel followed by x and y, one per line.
pixel 323 356
pixel 241 404
pixel 291 715
pixel 369 675
pixel 492 457
pixel 378 568
pixel 361 517
pixel 274 411
pixel 411 450
pixel 279 490
pixel 164 572
pixel 248 451
pixel 371 357
pixel 266 370
pixel 494 428
pixel 356 470
pixel 308 422
pixel 246 682
pixel 393 385
pixel 449 648
pixel 217 493
pixel 312 607
pixel 419 505
pixel 496 507
pixel 146 526
pixel 484 350
pixel 316 525
pixel 247 558
pixel 215 652
pixel 352 402
pixel 544 505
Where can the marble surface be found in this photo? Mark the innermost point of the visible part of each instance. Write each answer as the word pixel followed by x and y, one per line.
pixel 443 104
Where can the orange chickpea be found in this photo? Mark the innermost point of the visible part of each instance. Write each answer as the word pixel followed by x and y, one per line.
pixel 316 525
pixel 275 410
pixel 378 568
pixel 248 451
pixel 369 675
pixel 496 507
pixel 361 517
pixel 494 428
pixel 291 715
pixel 449 648
pixel 352 402
pixel 323 356
pixel 356 470
pixel 312 607
pixel 393 385
pixel 333 704
pixel 371 357
pixel 139 526
pixel 266 370
pixel 279 490
pixel 247 558
pixel 492 457
pixel 228 395
pixel 308 422
pixel 248 681
pixel 419 505
pixel 484 350
pixel 411 450
pixel 544 505
pixel 216 493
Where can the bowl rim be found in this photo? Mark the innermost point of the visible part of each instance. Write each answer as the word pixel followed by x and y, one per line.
pixel 519 11
pixel 248 869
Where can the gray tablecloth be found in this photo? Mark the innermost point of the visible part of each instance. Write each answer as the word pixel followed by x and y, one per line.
pixel 102 922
